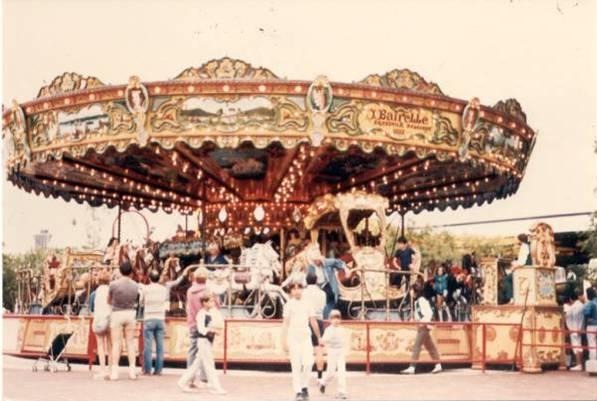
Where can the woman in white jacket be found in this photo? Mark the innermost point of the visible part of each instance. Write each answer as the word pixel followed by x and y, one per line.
pixel 101 324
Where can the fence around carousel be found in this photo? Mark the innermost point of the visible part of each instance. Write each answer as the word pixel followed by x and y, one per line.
pixel 478 360
pixel 33 333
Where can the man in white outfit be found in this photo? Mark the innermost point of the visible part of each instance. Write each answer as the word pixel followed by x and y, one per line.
pixel 296 339
pixel 317 298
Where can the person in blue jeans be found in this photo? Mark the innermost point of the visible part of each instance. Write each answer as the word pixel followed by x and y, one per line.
pixel 155 298
pixel 324 269
pixel 440 286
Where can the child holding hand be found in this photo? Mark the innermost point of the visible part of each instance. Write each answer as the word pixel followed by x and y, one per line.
pixel 208 323
pixel 335 341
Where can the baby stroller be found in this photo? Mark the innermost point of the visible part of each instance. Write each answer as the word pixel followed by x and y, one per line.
pixel 54 356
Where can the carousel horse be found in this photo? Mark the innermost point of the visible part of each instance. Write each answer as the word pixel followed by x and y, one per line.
pixel 171 269
pixel 170 272
pixel 263 265
pixel 141 267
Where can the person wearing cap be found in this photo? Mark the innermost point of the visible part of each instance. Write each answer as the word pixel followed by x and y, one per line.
pixel 324 269
pixel 423 315
pixel 335 340
pixel 194 294
pixel 298 315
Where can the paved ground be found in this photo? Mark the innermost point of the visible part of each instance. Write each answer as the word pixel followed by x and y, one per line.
pixel 20 383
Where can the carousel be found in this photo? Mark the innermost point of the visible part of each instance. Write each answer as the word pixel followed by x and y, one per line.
pixel 241 151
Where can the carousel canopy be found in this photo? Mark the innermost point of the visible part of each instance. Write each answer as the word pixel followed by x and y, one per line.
pixel 254 148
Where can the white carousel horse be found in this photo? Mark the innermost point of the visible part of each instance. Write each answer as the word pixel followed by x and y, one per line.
pixel 262 261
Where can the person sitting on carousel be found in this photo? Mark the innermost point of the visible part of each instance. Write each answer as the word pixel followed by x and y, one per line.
pixel 52 265
pixel 214 256
pixel 324 269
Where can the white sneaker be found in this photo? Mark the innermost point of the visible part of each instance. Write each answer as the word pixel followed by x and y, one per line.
pixel 577 368
pixel 114 375
pixel 199 384
pixel 100 376
pixel 437 368
pixel 218 391
pixel 132 375
pixel 409 371
pixel 186 388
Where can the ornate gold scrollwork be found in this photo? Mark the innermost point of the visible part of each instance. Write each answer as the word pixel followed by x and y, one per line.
pixel 121 120
pixel 226 68
pixel 403 79
pixel 166 117
pixel 68 82
pixel 345 119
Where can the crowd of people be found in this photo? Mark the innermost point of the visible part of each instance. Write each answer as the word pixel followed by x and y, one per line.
pixel 450 288
pixel 313 300
pixel 114 318
pixel 581 322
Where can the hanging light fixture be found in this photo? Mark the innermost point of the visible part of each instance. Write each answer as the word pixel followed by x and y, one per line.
pixel 223 215
pixel 259 213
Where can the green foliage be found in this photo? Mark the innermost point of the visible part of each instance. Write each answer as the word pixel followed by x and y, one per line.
pixel 590 244
pixel 10 265
pixel 440 246
pixel 9 284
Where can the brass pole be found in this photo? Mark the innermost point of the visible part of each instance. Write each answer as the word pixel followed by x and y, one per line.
pixel 283 252
pixel 119 219
pixel 402 224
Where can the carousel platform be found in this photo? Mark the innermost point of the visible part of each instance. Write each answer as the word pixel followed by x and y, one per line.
pixel 257 341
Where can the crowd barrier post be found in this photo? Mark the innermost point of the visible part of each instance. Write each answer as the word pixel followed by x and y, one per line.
pixel 91 345
pixel 484 350
pixel 225 362
pixel 368 349
pixel 141 346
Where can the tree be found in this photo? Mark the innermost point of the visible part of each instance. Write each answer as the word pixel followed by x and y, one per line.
pixel 439 246
pixel 9 283
pixel 590 244
pixel 11 264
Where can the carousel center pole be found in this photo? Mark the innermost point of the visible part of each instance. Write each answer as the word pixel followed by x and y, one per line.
pixel 203 218
pixel 283 251
pixel 402 224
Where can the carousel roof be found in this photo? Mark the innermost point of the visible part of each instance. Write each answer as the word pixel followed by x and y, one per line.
pixel 232 135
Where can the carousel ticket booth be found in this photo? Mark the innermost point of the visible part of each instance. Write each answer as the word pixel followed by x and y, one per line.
pixel 533 308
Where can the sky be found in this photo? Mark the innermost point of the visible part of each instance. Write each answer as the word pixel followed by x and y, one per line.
pixel 541 52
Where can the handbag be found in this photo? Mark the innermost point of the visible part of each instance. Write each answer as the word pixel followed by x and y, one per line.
pixel 101 324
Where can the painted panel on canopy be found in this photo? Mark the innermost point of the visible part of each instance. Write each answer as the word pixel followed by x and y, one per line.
pixel 227 114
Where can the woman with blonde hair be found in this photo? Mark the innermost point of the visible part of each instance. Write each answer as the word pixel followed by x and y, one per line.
pixel 101 309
